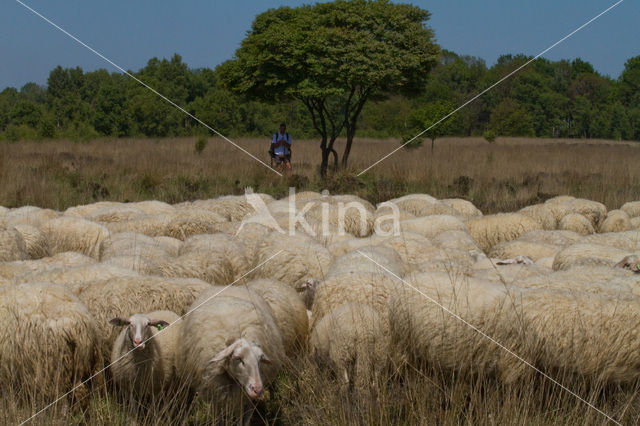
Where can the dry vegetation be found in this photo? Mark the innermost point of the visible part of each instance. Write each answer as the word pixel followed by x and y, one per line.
pixel 502 176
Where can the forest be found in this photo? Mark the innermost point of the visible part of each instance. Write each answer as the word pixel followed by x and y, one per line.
pixel 563 99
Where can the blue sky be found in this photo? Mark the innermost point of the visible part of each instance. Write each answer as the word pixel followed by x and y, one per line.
pixel 206 33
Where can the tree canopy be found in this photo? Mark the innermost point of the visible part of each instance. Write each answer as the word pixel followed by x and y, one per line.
pixel 333 57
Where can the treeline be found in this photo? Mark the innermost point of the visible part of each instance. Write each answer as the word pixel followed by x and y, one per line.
pixel 546 99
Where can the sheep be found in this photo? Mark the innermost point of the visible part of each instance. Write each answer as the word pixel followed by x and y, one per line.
pixel 48 342
pixel 248 235
pixel 516 247
pixel 12 246
pixel 170 245
pixel 552 237
pixel 419 207
pixel 368 259
pixel 463 207
pixel 635 222
pixel 632 208
pixel 336 215
pixel 132 244
pixel 11 270
pixel 152 207
pixel 619 240
pixel 430 226
pixel 592 210
pixel 490 230
pixel 75 234
pixel 577 223
pixel 124 296
pixel 345 246
pixel 368 288
pixel 150 225
pixel 542 214
pixel 289 312
pixel 35 241
pixel 291 259
pixel 29 215
pixel 350 340
pixel 631 263
pixel 588 254
pixel 192 221
pixel 307 292
pixel 458 240
pixel 232 361
pixel 140 264
pixel 119 213
pixel 143 358
pixel 508 271
pixel 215 258
pixel 87 209
pixel 435 319
pixel 592 336
pixel 232 207
pixel 616 221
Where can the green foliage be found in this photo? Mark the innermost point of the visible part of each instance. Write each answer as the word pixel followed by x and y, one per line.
pixel 429 115
pixel 201 144
pixel 489 135
pixel 411 141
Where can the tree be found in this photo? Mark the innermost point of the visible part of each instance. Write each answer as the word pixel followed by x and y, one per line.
pixel 333 57
pixel 430 113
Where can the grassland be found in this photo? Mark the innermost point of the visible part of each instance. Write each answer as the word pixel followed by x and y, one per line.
pixel 501 176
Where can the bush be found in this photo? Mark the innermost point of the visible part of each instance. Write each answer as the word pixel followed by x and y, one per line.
pixel 489 136
pixel 201 144
pixel 415 142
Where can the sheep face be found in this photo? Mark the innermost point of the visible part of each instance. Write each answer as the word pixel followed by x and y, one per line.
pixel 139 328
pixel 241 360
pixel 308 291
pixel 630 262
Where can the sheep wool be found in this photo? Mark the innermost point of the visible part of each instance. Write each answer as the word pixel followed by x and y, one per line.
pixel 68 233
pixel 35 241
pixel 588 254
pixel 490 230
pixel 430 226
pixel 289 312
pixel 29 215
pixel 632 208
pixel 191 221
pixel 542 214
pixel 616 221
pixel 48 341
pixel 12 246
pixel 350 340
pixel 463 207
pixel 553 237
pixel 577 223
pixel 292 259
pixel 535 251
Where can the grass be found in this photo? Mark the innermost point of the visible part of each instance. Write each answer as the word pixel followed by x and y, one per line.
pixel 502 176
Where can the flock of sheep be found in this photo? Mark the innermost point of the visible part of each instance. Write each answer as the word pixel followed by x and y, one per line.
pixel 144 289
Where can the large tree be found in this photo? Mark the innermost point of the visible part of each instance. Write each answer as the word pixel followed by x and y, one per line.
pixel 334 57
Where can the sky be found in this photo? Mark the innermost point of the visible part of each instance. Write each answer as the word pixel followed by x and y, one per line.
pixel 207 32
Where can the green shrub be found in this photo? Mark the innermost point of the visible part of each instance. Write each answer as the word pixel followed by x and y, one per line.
pixel 201 144
pixel 489 136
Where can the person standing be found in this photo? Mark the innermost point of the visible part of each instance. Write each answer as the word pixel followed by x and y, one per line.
pixel 281 148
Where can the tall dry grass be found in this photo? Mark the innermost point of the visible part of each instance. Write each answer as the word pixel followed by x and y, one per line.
pixel 501 176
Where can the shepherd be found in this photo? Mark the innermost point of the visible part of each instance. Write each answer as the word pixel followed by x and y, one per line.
pixel 281 149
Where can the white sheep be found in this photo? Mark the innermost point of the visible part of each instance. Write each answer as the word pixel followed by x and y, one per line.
pixel 577 223
pixel 435 319
pixel 458 240
pixel 542 214
pixel 151 207
pixel 290 259
pixel 123 297
pixel 463 207
pixel 514 248
pixel 620 240
pixel 48 341
pixel 143 359
pixel 616 221
pixel 191 221
pixel 368 288
pixel 215 258
pixel 588 254
pixel 552 237
pixel 87 209
pixel 289 311
pixel 350 340
pixel 11 270
pixel 29 215
pixel 118 213
pixel 35 241
pixel 230 350
pixel 490 230
pixel 368 259
pixel 631 263
pixel 152 225
pixel 589 335
pixel 430 226
pixel 632 208
pixel 69 233
pixel 12 246
pixel 419 206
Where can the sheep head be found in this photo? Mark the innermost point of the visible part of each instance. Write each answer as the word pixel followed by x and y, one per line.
pixel 631 262
pixel 241 360
pixel 139 328
pixel 308 291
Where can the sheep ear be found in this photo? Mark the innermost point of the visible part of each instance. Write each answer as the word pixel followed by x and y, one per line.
pixel 505 262
pixel 226 352
pixel 155 323
pixel 264 358
pixel 119 322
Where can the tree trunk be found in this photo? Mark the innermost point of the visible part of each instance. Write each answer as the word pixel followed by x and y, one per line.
pixel 432 142
pixel 347 148
pixel 325 157
pixel 335 159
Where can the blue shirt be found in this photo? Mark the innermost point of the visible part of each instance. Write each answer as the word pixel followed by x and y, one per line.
pixel 281 150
